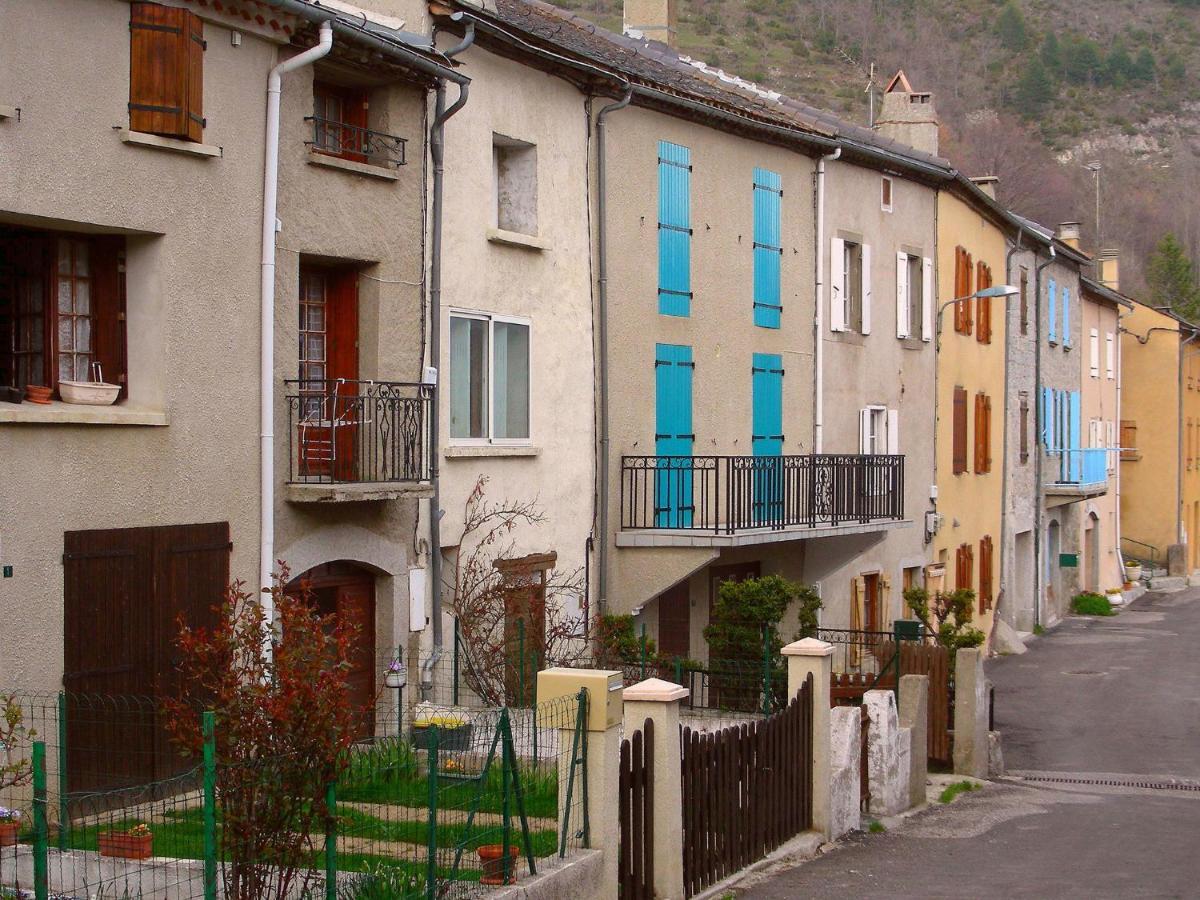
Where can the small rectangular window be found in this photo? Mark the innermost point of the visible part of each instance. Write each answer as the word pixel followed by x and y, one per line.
pixel 166 71
pixel 489 378
pixel 514 169
pixel 852 286
pixel 340 121
pixel 885 194
pixel 1129 449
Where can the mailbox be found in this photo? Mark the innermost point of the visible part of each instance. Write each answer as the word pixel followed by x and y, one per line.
pixel 907 629
pixel 605 688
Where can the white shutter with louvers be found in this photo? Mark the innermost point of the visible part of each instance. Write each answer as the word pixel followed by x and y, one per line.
pixel 1110 356
pixel 837 280
pixel 927 299
pixel 903 326
pixel 893 432
pixel 866 288
pixel 864 430
pixel 1094 349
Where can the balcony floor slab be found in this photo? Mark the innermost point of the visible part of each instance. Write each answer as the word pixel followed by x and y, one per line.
pixel 1060 494
pixel 357 493
pixel 667 537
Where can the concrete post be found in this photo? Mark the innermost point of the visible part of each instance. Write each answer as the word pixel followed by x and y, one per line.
pixel 970 714
pixel 845 806
pixel 812 657
pixel 658 701
pixel 887 763
pixel 914 715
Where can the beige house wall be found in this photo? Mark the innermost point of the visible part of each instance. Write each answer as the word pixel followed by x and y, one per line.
pixel 193 252
pixel 970 503
pixel 1189 513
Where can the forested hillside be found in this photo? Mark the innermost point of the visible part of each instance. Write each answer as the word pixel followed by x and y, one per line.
pixel 1030 90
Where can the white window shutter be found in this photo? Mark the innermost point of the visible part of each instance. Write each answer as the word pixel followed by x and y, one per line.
pixel 893 432
pixel 864 430
pixel 866 288
pixel 927 299
pixel 837 279
pixel 1110 355
pixel 903 326
pixel 1094 348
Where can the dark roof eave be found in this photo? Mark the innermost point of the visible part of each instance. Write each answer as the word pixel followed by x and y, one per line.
pixel 1104 292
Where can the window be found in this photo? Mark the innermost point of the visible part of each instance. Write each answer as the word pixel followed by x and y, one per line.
pixel 61 308
pixel 850 286
pixel 1024 301
pixel 964 567
pixel 340 121
pixel 674 229
pixel 1024 415
pixel 489 378
pixel 986 590
pixel 1094 348
pixel 962 288
pixel 514 173
pixel 768 248
pixel 910 577
pixel 885 194
pixel 960 430
pixel 983 434
pixel 879 431
pixel 983 305
pixel 1110 355
pixel 166 71
pixel 912 295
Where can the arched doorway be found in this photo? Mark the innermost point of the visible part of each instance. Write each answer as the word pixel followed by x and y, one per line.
pixel 347 590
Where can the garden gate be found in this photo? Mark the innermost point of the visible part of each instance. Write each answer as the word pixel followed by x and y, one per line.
pixel 635 864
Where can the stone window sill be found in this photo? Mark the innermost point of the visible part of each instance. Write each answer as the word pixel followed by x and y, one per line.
pixel 475 451
pixel 157 142
pixel 317 158
pixel 516 239
pixel 59 413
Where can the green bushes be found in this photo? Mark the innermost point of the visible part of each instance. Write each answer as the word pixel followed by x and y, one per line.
pixel 1089 604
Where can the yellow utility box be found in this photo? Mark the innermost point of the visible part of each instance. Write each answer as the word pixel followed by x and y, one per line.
pixel 604 686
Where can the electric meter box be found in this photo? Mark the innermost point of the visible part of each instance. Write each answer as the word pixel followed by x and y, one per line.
pixel 605 688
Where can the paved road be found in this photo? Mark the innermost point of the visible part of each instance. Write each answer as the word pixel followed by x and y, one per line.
pixel 1114 699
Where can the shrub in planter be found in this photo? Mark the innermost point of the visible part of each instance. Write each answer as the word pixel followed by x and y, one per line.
pixel 136 843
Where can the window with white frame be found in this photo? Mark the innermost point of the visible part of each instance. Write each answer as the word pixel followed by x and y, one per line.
pixel 489 378
pixel 913 295
pixel 850 286
pixel 885 194
pixel 879 431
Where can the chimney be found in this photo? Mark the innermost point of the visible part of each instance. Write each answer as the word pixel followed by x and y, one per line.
pixel 987 184
pixel 908 116
pixel 1068 233
pixel 653 20
pixel 1108 270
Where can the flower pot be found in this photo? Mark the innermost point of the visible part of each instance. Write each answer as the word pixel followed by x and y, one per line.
pixel 492 858
pixel 1133 573
pixel 88 393
pixel 126 846
pixel 393 680
pixel 36 393
pixel 8 834
pixel 458 738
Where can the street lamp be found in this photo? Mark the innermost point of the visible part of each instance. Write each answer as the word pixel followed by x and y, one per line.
pixel 998 290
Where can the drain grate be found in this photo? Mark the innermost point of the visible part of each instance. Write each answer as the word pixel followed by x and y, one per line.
pixel 1116 782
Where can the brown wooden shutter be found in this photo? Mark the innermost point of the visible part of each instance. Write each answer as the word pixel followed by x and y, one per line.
pixel 108 298
pixel 980 446
pixel 1024 428
pixel 166 71
pixel 987 433
pixel 960 430
pixel 985 574
pixel 1129 440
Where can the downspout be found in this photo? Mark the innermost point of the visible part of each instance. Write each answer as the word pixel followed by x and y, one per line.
pixel 270 226
pixel 1117 467
pixel 1008 279
pixel 1038 491
pixel 602 327
pixel 1179 450
pixel 819 317
pixel 437 147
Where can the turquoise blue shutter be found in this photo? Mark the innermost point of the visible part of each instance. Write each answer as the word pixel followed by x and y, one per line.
pixel 768 248
pixel 1048 418
pixel 673 437
pixel 766 437
pixel 1074 454
pixel 1052 294
pixel 674 229
pixel 1066 307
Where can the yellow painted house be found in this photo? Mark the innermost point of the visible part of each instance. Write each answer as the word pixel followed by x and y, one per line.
pixel 970 382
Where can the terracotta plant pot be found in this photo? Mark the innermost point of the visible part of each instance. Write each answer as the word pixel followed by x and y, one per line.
pixel 492 858
pixel 8 834
pixel 126 846
pixel 36 393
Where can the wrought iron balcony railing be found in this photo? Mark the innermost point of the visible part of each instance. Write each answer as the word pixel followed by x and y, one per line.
pixel 358 432
pixel 729 494
pixel 356 143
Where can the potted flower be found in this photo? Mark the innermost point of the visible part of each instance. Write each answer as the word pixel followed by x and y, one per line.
pixel 135 843
pixel 396 675
pixel 454 732
pixel 1133 572
pixel 10 824
pixel 491 856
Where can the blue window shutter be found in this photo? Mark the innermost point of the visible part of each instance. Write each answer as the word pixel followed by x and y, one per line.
pixel 1066 309
pixel 768 248
pixel 673 437
pixel 766 437
pixel 674 229
pixel 1074 436
pixel 1052 318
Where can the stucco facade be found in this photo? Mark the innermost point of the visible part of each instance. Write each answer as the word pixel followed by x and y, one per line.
pixel 183 447
pixel 971 390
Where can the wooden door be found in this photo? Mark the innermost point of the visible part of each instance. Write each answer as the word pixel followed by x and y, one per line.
pixel 355 604
pixel 329 411
pixel 675 622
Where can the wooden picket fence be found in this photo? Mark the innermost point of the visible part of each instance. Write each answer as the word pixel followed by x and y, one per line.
pixel 635 856
pixel 746 790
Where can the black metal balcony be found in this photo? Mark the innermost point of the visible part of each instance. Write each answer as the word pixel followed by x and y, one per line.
pixel 731 494
pixel 356 143
pixel 358 432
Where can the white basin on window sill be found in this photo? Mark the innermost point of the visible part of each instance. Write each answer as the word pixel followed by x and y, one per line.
pixel 89 393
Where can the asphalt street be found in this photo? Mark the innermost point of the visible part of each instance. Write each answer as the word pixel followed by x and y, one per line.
pixel 1101 734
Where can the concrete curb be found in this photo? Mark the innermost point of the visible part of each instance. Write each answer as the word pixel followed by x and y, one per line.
pixel 804 846
pixel 577 876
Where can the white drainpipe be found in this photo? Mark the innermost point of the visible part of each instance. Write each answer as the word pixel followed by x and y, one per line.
pixel 266 552
pixel 819 319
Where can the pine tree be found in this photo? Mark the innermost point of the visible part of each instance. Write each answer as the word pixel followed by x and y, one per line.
pixel 1172 279
pixel 1119 68
pixel 1143 68
pixel 1035 88
pixel 1051 52
pixel 1011 28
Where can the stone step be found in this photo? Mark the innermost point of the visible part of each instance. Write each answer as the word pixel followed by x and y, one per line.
pixel 1168 583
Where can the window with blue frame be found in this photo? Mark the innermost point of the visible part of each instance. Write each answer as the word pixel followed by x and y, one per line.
pixel 674 229
pixel 768 248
